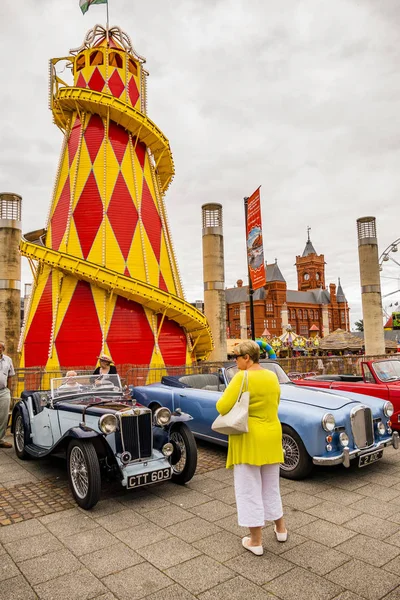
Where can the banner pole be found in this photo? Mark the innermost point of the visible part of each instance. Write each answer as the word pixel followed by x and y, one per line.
pixel 253 335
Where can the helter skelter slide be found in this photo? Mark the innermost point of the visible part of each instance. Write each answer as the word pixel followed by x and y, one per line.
pixel 105 274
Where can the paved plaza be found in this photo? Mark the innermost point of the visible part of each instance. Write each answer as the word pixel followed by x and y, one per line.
pixel 168 542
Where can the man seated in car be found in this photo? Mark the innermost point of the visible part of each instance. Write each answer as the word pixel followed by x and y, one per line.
pixel 71 384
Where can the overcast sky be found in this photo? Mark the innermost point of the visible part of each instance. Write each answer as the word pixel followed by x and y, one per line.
pixel 301 97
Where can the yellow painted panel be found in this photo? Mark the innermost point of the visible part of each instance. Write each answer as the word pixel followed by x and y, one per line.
pixel 99 173
pixel 73 246
pixel 80 171
pixel 165 266
pixel 113 255
pixel 131 171
pixel 64 172
pixel 112 171
pixel 100 297
pixel 98 247
pixel 135 260
pixel 157 368
pixel 153 269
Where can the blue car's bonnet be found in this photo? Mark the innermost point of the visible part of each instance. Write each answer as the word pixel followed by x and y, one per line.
pixel 313 397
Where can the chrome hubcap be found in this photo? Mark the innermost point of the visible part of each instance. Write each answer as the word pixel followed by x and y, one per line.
pixel 292 453
pixel 78 472
pixel 180 442
pixel 19 434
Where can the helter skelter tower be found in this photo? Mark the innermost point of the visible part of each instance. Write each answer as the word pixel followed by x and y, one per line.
pixel 105 274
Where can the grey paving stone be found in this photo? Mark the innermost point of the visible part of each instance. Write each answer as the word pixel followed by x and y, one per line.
pixel 16 588
pixel 7 568
pixel 372 526
pixel 348 596
pixel 300 584
pixel 374 507
pixel 79 585
pixel 142 535
pixel 205 484
pixel 334 513
pixel 110 559
pixel 107 596
pixel 230 524
pixel 379 492
pixel 376 554
pixel 137 582
pixel 2 550
pixel 45 567
pixel 259 569
pixel 123 519
pixel 326 533
pixel 295 519
pixel 173 592
pixel 222 546
pixel 222 474
pixel 341 496
pixel 236 589
pixel 167 489
pixel 200 574
pixel 63 515
pixel 106 507
pixel 315 557
pixel 393 566
pixel 168 553
pixel 69 524
pixel 144 502
pixel 308 486
pixel 226 495
pixel 395 595
pixel 87 541
pixel 271 544
pixel 213 510
pixel 394 539
pixel 35 546
pixel 301 501
pixel 349 483
pixel 189 499
pixel 382 479
pixel 363 579
pixel 168 515
pixel 193 529
pixel 21 531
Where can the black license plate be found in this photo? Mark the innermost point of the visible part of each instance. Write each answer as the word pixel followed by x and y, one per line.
pixel 135 481
pixel 367 459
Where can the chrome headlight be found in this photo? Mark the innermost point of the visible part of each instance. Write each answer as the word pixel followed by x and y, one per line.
pixel 328 422
pixel 108 423
pixel 344 439
pixel 388 409
pixel 381 428
pixel 162 416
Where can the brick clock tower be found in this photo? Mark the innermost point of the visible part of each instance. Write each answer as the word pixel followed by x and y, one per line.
pixel 310 268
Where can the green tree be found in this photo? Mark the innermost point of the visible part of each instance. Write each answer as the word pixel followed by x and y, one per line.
pixel 359 325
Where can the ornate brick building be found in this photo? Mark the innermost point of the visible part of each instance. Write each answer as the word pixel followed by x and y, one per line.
pixel 312 307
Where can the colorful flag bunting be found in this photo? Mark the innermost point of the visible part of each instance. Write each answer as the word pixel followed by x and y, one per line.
pixel 84 4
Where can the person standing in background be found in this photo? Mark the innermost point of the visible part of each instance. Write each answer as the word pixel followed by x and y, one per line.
pixel 6 372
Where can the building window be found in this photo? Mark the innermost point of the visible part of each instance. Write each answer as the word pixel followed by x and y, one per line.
pixel 299 314
pixel 342 317
pixel 132 67
pixel 236 311
pixel 115 60
pixel 80 62
pixel 293 314
pixel 96 58
pixel 273 323
pixel 306 276
pixel 303 330
pixel 269 308
pixel 237 325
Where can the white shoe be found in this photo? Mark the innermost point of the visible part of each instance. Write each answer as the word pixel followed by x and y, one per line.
pixel 257 550
pixel 281 537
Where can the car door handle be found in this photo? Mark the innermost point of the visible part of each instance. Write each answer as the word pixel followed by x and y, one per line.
pixel 182 395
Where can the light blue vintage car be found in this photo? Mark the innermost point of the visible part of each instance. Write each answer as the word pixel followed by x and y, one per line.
pixel 319 427
pixel 95 423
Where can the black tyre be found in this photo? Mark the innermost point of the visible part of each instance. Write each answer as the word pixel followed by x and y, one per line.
pixel 184 469
pixel 20 437
pixel 298 463
pixel 84 473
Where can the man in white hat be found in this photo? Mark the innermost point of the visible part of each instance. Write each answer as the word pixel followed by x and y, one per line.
pixel 6 372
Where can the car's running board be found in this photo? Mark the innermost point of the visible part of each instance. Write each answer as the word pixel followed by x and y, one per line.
pixel 37 451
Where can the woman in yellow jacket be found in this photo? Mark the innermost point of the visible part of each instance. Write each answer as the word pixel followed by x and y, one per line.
pixel 256 455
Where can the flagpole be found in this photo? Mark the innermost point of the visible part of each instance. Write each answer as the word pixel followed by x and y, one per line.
pixel 108 20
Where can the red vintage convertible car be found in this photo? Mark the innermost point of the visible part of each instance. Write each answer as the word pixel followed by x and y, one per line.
pixel 380 378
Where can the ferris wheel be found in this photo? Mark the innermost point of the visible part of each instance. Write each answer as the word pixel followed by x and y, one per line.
pixel 389 266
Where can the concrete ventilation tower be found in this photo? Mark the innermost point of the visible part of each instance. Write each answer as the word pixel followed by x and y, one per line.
pixel 10 272
pixel 370 286
pixel 214 278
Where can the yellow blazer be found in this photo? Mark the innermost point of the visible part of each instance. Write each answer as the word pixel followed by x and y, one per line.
pixel 262 445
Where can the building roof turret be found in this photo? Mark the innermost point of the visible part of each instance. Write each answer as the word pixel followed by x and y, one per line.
pixel 309 249
pixel 273 272
pixel 340 297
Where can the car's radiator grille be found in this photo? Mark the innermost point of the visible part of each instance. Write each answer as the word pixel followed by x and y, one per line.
pixel 137 435
pixel 362 426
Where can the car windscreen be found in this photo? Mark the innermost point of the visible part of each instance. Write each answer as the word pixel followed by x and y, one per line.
pixel 271 366
pixel 387 370
pixel 73 384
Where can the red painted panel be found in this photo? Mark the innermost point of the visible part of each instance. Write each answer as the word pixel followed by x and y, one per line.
pixel 88 214
pixel 96 82
pixel 151 220
pixel 122 215
pixel 172 342
pixel 74 140
pixel 60 217
pixel 161 284
pixel 130 338
pixel 79 339
pixel 37 340
pixel 115 84
pixel 133 92
pixel 80 82
pixel 119 140
pixel 94 136
pixel 141 153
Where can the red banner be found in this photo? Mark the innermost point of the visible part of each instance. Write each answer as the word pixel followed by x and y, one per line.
pixel 254 242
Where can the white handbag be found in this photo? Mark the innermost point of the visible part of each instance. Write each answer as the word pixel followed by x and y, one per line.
pixel 236 420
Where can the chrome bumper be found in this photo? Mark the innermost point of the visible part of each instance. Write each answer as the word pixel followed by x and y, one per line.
pixel 348 455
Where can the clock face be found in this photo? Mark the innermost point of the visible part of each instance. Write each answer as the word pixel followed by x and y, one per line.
pixel 306 276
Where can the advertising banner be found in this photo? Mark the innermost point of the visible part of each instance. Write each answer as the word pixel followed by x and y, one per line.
pixel 254 241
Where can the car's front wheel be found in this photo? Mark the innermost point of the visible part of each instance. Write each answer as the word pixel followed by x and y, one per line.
pixel 298 463
pixel 84 473
pixel 19 437
pixel 184 458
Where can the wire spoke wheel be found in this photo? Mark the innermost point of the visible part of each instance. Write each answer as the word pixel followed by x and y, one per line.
pixel 177 438
pixel 19 435
pixel 79 472
pixel 292 453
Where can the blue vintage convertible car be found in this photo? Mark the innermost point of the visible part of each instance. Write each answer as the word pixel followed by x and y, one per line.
pixel 319 427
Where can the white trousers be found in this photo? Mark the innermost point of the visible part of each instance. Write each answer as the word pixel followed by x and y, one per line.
pixel 258 497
